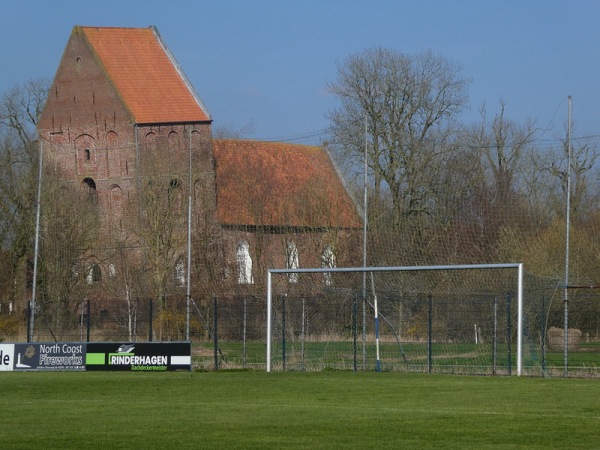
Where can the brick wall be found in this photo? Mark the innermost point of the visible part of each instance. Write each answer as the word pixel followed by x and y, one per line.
pixel 268 249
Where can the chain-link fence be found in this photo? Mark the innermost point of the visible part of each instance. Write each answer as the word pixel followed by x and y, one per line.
pixel 336 330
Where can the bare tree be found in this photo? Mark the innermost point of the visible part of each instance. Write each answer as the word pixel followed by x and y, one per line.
pixel 409 104
pixel 68 271
pixel 583 167
pixel 503 145
pixel 19 110
pixel 405 107
pixel 501 150
pixel 230 132
pixel 156 222
pixel 123 284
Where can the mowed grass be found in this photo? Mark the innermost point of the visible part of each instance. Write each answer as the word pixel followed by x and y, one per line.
pixel 295 410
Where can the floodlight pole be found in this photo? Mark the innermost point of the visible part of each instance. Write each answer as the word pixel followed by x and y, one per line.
pixel 37 240
pixel 567 237
pixel 189 243
pixel 365 220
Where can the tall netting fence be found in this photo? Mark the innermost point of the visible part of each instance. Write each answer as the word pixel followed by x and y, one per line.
pixel 446 321
pixel 579 353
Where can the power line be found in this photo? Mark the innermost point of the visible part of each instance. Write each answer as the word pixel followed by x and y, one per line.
pixel 297 137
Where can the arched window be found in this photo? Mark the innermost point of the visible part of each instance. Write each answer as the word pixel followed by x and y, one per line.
pixel 114 156
pixel 111 138
pixel 94 274
pixel 196 140
pixel 116 197
pixel 150 141
pixel 292 261
pixel 179 273
pixel 115 210
pixel 173 143
pixel 89 189
pixel 327 262
pixel 244 263
pixel 85 146
pixel 175 195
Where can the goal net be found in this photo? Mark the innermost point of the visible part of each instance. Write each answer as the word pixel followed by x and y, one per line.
pixel 484 319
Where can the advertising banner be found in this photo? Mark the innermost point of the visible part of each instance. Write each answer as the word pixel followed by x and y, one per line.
pixel 49 356
pixel 7 352
pixel 139 356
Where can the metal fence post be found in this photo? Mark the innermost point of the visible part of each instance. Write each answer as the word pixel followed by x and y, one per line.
pixel 245 332
pixel 495 338
pixel 150 320
pixel 429 333
pixel 29 321
pixel 508 334
pixel 215 333
pixel 303 329
pixel 543 329
pixel 355 330
pixel 88 321
pixel 283 330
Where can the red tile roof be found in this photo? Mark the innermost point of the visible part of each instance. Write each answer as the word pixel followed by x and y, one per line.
pixel 145 74
pixel 279 184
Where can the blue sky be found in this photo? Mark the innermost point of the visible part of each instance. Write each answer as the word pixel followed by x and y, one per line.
pixel 268 61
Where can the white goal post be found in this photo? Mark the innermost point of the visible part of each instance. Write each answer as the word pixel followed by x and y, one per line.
pixel 518 266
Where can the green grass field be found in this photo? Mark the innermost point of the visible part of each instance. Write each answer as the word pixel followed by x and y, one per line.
pixel 295 410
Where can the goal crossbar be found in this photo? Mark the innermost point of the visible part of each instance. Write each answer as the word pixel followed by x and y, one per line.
pixel 518 266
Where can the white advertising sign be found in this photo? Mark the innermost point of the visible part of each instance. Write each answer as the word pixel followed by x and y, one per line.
pixel 7 354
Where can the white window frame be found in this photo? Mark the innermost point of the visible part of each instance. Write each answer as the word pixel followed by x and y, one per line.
pixel 292 260
pixel 328 261
pixel 179 273
pixel 244 263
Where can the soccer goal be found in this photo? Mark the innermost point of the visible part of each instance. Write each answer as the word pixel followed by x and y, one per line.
pixel 446 318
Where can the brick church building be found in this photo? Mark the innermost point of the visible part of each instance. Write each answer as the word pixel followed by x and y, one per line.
pixel 125 132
